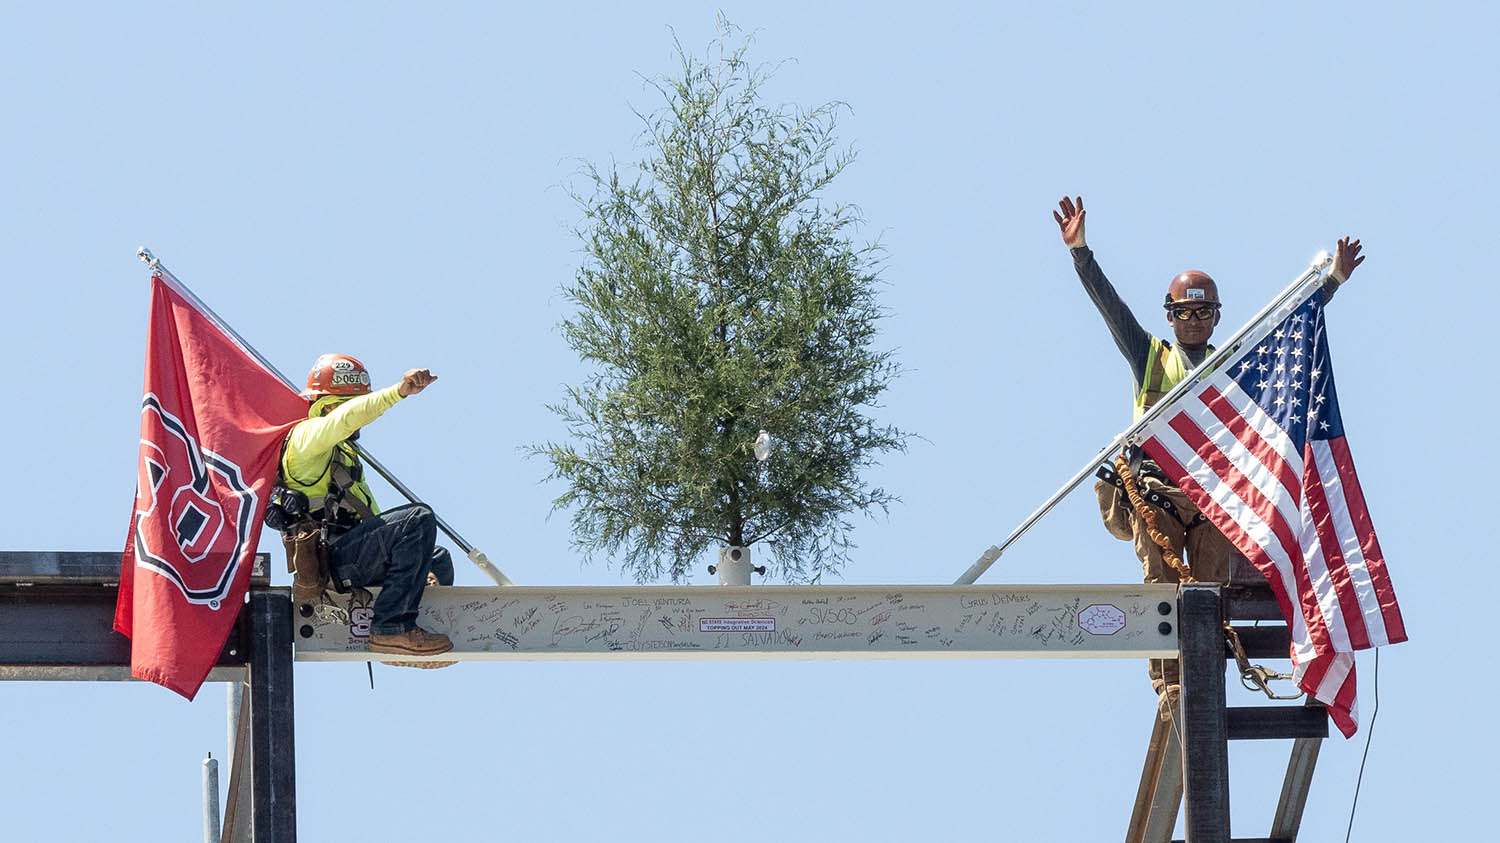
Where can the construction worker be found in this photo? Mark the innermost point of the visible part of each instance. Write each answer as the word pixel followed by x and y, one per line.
pixel 1192 310
pixel 395 549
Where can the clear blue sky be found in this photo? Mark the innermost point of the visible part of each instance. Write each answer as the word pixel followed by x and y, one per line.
pixel 383 179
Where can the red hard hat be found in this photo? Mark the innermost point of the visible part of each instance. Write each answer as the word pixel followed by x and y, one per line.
pixel 337 374
pixel 1192 287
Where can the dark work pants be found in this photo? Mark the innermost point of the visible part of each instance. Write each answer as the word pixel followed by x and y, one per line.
pixel 393 550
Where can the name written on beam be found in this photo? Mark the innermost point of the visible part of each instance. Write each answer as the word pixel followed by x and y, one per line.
pixel 495 623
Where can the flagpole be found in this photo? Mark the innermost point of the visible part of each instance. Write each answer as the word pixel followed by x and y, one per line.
pixel 1295 290
pixel 475 555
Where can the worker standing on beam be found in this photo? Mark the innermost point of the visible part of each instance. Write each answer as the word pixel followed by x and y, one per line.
pixel 395 549
pixel 1192 310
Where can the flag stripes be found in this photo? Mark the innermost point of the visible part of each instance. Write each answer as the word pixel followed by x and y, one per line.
pixel 1259 446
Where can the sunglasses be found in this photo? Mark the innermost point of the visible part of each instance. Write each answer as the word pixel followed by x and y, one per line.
pixel 1200 312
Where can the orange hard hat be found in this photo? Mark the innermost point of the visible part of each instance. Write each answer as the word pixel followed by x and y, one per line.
pixel 1192 287
pixel 337 374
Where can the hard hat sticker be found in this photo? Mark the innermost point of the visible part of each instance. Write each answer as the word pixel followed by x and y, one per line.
pixel 1196 293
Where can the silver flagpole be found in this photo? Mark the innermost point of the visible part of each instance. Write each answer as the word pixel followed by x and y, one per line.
pixel 1296 290
pixel 475 555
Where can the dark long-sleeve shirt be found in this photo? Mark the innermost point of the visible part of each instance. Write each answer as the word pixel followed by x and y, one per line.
pixel 1133 340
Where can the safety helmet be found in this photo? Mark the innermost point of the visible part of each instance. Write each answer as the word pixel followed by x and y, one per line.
pixel 337 374
pixel 1192 287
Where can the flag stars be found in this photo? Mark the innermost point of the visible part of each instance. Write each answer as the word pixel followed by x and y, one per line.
pixel 1315 372
pixel 1280 333
pixel 1297 352
pixel 1323 425
pixel 1297 369
pixel 1296 419
pixel 1263 368
pixel 1320 398
pixel 1296 401
pixel 1280 399
pixel 1281 384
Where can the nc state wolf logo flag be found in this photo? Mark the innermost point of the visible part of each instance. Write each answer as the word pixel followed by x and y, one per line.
pixel 212 421
pixel 1259 447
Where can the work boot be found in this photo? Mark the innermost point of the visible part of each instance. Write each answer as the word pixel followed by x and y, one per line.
pixel 413 642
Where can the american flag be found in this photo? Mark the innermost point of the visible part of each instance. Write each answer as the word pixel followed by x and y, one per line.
pixel 1259 447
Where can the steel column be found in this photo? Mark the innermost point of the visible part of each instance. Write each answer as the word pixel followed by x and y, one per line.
pixel 273 757
pixel 1205 732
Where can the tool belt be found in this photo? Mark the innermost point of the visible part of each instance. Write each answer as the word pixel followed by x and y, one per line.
pixel 308 536
pixel 1115 508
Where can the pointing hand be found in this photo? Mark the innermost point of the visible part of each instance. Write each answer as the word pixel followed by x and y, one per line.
pixel 414 381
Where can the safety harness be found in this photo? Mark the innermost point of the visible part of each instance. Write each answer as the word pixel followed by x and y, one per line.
pixel 1253 677
pixel 310 526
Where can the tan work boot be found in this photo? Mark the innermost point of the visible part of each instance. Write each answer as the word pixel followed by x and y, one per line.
pixel 413 642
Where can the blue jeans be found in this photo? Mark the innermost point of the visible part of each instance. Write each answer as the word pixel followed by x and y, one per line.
pixel 393 550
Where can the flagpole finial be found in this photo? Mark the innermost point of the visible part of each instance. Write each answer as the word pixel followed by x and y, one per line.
pixel 1322 260
pixel 146 257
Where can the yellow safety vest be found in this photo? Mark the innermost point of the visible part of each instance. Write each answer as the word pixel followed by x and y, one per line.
pixel 317 490
pixel 315 445
pixel 1164 370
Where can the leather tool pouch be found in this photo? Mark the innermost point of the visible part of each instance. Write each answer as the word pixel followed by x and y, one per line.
pixel 307 557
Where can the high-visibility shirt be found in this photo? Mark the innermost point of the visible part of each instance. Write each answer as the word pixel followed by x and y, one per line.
pixel 1165 368
pixel 313 445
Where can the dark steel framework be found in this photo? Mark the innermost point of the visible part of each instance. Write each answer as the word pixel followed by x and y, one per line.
pixel 56 622
pixel 1187 759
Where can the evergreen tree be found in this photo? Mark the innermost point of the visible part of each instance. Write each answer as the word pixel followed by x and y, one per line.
pixel 720 297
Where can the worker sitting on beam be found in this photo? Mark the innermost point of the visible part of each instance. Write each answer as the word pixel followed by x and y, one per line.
pixel 395 549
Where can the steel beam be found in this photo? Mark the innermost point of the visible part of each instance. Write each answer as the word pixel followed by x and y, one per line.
pixel 1262 722
pixel 238 806
pixel 1263 642
pixel 1205 735
pixel 57 613
pixel 1159 796
pixel 890 621
pixel 272 753
pixel 1287 821
pixel 67 632
pixel 66 567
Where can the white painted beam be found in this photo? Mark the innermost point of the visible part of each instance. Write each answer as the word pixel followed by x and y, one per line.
pixel 821 622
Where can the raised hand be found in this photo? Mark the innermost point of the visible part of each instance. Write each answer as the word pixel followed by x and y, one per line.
pixel 1070 221
pixel 1346 259
pixel 414 381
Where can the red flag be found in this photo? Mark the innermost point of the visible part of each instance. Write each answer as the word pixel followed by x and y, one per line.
pixel 1259 446
pixel 212 421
